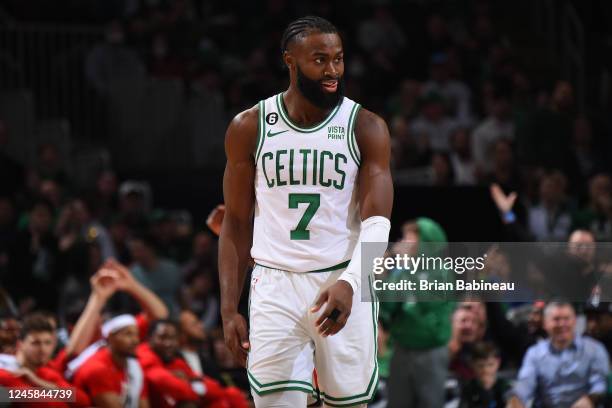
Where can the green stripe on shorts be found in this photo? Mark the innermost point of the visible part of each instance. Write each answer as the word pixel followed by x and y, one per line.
pixel 277 386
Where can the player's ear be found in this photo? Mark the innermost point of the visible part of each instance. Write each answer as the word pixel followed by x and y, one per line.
pixel 288 59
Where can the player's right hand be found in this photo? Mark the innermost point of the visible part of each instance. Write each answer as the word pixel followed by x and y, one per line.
pixel 236 336
pixel 338 296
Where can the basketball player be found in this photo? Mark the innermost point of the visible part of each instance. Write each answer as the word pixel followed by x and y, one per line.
pixel 307 181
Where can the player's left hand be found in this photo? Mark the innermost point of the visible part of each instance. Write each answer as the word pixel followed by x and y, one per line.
pixel 338 297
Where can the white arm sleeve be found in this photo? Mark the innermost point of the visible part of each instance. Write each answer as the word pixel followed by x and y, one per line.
pixel 373 229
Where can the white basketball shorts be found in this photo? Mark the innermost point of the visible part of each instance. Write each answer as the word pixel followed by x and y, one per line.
pixel 286 347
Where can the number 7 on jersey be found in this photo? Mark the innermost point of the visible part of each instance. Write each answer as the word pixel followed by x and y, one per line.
pixel 314 201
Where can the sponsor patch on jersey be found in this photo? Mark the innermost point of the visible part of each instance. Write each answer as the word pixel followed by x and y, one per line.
pixel 335 132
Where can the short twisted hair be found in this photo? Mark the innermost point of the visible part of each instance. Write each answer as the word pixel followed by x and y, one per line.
pixel 302 27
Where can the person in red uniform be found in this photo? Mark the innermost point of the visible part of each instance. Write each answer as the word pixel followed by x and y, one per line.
pixel 171 379
pixel 109 279
pixel 112 377
pixel 34 350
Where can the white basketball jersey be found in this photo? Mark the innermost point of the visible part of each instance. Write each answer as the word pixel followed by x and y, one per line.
pixel 306 207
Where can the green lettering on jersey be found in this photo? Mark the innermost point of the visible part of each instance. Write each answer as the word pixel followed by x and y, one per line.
pixel 314 201
pixel 340 157
pixel 328 168
pixel 263 166
pixel 292 181
pixel 324 153
pixel 279 167
pixel 314 168
pixel 305 153
pixel 335 132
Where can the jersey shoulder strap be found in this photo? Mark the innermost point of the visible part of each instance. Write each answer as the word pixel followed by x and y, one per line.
pixel 350 140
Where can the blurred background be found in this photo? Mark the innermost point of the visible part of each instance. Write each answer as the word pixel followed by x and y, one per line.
pixel 145 89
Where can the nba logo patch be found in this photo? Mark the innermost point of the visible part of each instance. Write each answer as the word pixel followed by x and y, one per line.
pixel 254 280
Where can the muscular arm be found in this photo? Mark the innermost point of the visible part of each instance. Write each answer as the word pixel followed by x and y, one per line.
pixel 375 183
pixel 237 228
pixel 375 194
pixel 375 190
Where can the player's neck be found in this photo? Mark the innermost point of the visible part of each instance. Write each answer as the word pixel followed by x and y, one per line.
pixel 300 110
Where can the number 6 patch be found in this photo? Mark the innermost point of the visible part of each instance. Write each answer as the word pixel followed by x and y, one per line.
pixel 271 118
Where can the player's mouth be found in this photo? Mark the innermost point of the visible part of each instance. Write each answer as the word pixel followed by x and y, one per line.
pixel 330 85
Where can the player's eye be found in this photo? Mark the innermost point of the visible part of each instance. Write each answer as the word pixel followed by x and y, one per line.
pixel 319 60
pixel 339 59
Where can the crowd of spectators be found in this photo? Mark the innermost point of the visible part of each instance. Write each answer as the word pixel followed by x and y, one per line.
pixel 462 110
pixel 128 360
pixel 461 105
pixel 495 353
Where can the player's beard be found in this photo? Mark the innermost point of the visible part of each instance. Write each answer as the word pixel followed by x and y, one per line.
pixel 313 91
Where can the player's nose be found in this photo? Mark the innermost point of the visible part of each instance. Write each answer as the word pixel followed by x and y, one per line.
pixel 331 71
